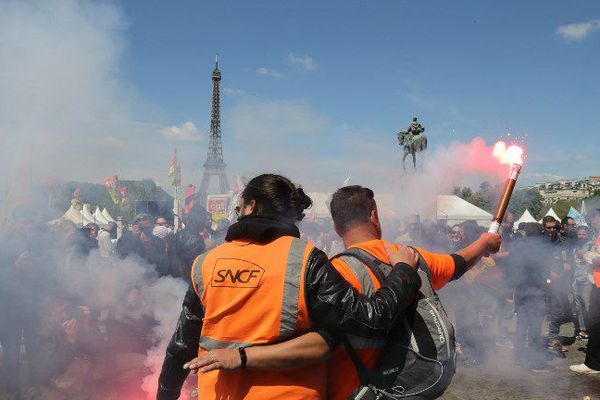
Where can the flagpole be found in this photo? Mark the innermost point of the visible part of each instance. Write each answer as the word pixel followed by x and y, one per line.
pixel 176 220
pixel 176 182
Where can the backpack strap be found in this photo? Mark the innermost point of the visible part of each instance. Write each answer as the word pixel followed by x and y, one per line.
pixel 380 269
pixel 363 373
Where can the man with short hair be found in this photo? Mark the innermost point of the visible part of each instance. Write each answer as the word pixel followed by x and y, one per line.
pixel 568 226
pixel 356 221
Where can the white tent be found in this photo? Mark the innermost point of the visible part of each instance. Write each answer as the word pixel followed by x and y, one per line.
pixel 107 216
pixel 552 214
pixel 321 200
pixel 525 218
pixel 99 217
pixel 583 210
pixel 453 210
pixel 87 216
pixel 320 206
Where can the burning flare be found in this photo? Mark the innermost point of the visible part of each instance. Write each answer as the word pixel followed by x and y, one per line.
pixel 513 157
pixel 512 154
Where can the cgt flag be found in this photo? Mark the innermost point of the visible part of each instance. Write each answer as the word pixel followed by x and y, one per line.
pixel 112 185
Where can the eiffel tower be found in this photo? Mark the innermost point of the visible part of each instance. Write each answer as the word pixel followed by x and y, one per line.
pixel 214 165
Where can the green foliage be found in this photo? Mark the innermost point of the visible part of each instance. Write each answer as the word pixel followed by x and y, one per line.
pixel 562 207
pixel 484 198
pixel 487 197
pixel 464 193
pixel 526 199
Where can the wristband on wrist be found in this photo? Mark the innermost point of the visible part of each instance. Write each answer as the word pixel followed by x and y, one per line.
pixel 243 357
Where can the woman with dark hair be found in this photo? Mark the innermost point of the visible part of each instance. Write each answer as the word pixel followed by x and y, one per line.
pixel 266 285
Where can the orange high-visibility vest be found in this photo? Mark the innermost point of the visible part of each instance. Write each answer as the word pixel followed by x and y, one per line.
pixel 253 294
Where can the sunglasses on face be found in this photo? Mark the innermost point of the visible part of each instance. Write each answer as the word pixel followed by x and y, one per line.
pixel 238 209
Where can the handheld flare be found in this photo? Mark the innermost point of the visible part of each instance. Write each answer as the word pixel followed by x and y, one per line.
pixel 511 155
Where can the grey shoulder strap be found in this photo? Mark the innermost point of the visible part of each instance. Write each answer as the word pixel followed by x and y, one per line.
pixel 380 269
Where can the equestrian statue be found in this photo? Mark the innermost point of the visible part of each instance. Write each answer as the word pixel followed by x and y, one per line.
pixel 413 140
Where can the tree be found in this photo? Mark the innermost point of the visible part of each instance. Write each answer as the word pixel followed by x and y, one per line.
pixel 526 199
pixel 465 193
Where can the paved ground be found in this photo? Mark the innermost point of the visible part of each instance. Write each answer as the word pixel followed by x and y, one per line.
pixel 501 379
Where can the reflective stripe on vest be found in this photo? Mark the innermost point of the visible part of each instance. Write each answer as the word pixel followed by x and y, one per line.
pixel 211 344
pixel 293 272
pixel 360 272
pixel 196 275
pixel 290 311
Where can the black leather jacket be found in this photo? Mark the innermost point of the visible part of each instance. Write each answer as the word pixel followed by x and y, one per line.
pixel 333 304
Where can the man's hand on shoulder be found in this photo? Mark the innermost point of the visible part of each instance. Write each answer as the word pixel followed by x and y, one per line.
pixel 403 254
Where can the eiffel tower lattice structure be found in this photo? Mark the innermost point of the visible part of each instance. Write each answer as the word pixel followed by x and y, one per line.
pixel 214 167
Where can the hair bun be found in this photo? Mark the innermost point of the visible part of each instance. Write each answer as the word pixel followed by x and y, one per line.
pixel 300 200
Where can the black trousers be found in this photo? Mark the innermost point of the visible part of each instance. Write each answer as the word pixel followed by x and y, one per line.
pixel 528 341
pixel 592 358
pixel 560 307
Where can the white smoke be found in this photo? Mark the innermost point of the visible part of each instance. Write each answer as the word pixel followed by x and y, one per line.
pixel 64 108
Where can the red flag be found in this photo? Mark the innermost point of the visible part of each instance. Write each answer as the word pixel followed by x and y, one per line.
pixel 190 198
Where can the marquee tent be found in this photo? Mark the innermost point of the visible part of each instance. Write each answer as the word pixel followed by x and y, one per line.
pixel 552 214
pixel 453 210
pixel 88 218
pixel 107 216
pixel 525 218
pixel 99 218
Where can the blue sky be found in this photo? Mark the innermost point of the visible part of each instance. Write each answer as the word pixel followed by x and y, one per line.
pixel 465 68
pixel 318 90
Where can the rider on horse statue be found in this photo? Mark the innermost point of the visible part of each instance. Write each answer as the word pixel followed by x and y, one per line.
pixel 414 140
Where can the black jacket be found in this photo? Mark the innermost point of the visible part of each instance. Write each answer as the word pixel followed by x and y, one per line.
pixel 332 302
pixel 529 267
pixel 185 247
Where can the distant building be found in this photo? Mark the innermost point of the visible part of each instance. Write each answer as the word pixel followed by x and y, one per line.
pixel 568 189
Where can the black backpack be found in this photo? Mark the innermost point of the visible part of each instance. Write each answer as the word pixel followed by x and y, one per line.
pixel 419 357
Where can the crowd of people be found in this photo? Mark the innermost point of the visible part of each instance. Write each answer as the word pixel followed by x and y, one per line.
pixel 56 344
pixel 542 273
pixel 56 340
